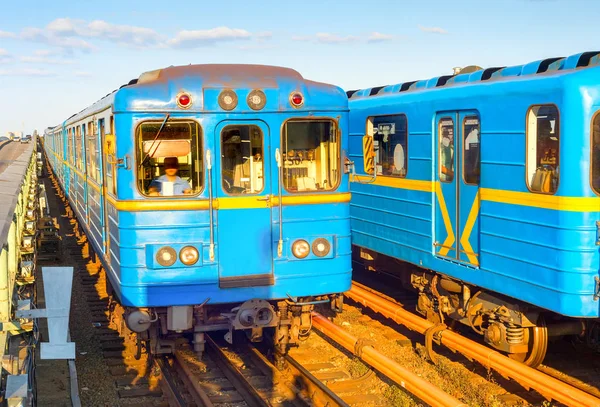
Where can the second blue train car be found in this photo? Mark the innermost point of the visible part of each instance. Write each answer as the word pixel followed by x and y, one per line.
pixel 481 190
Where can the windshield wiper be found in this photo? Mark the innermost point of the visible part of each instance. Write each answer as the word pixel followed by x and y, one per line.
pixel 150 152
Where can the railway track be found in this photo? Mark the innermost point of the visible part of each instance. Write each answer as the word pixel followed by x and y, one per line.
pixel 550 383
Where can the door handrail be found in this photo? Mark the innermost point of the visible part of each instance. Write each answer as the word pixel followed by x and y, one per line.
pixel 280 205
pixel 211 250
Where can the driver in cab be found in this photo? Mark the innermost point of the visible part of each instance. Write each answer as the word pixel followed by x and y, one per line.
pixel 170 183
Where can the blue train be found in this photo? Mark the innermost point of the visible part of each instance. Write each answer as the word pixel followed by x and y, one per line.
pixel 216 197
pixel 481 191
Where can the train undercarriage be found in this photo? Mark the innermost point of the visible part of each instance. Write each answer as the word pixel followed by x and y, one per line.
pixel 289 322
pixel 517 329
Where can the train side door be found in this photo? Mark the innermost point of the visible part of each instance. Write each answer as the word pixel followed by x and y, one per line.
pixel 243 190
pixel 457 141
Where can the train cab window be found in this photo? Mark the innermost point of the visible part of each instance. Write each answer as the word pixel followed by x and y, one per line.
pixel 543 149
pixel 471 150
pixel 242 159
pixel 446 141
pixel 595 159
pixel 310 155
pixel 390 142
pixel 170 159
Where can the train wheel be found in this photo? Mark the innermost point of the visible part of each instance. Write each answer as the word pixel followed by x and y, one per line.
pixel 538 345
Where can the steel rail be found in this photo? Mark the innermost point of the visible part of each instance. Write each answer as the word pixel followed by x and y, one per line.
pixel 547 386
pixel 421 388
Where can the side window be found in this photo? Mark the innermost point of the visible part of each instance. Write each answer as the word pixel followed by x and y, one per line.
pixel 543 149
pixel 390 142
pixel 595 159
pixel 446 147
pixel 471 150
pixel 170 158
pixel 242 159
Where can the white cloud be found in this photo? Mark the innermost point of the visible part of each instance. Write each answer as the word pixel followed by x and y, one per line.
pixel 328 38
pixel 198 38
pixel 37 59
pixel 5 56
pixel 68 44
pixel 27 72
pixel 71 35
pixel 6 34
pixel 82 74
pixel 379 37
pixel 434 30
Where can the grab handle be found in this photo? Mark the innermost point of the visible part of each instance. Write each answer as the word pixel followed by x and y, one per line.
pixel 211 250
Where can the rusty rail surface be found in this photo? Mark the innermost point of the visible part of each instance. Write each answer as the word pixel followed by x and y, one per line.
pixel 402 376
pixel 547 386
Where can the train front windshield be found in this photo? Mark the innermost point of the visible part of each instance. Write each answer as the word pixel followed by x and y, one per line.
pixel 310 155
pixel 169 158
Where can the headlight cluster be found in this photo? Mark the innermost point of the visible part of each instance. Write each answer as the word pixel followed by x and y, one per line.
pixel 320 247
pixel 167 256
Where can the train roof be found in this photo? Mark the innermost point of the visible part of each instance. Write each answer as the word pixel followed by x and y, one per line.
pixel 475 74
pixel 157 90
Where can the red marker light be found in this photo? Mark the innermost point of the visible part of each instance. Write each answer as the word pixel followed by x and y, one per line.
pixel 184 100
pixel 297 99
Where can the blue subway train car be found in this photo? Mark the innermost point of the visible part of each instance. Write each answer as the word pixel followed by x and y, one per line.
pixel 481 191
pixel 215 196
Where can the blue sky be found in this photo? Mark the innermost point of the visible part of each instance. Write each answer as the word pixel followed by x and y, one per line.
pixel 57 57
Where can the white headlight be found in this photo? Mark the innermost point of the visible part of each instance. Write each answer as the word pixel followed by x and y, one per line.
pixel 166 256
pixel 301 248
pixel 321 247
pixel 189 255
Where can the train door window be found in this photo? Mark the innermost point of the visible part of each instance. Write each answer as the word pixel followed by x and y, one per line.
pixel 70 149
pixel 543 145
pixel 390 142
pixel 310 155
pixel 595 159
pixel 81 149
pixel 446 142
pixel 471 150
pixel 170 159
pixel 242 161
pixel 91 151
pixel 98 150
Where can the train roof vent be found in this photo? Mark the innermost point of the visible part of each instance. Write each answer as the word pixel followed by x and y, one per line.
pixel 443 80
pixel 580 60
pixel 507 71
pixel 541 66
pixel 406 86
pixel 487 73
pixel 463 74
pixel 588 59
pixel 375 90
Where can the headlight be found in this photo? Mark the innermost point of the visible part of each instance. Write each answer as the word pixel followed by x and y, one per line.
pixel 189 255
pixel 321 247
pixel 166 256
pixel 27 241
pixel 301 248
